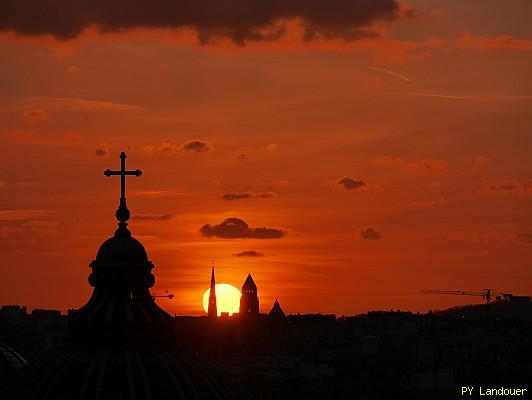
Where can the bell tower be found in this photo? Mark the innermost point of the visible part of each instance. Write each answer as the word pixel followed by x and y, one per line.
pixel 249 302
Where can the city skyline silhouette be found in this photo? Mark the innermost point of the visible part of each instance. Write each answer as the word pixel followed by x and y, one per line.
pixel 234 355
pixel 299 199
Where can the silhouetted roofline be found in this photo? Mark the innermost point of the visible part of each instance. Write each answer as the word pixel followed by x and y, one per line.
pixel 249 283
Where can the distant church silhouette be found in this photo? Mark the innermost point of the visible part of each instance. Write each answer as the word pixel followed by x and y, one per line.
pixel 249 301
pixel 213 306
pixel 121 343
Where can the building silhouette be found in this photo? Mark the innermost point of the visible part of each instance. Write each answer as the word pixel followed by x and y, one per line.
pixel 249 302
pixel 277 313
pixel 213 309
pixel 121 344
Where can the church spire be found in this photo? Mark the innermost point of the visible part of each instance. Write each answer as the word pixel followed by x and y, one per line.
pixel 213 310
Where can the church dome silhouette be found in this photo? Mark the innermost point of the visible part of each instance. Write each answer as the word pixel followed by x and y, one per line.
pixel 120 249
pixel 121 344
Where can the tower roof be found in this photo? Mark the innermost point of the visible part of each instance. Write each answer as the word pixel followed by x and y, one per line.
pixel 277 311
pixel 249 283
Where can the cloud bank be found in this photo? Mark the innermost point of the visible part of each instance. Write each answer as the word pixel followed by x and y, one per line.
pixel 235 228
pixel 240 21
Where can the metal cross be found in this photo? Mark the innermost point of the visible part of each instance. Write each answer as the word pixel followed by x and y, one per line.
pixel 122 174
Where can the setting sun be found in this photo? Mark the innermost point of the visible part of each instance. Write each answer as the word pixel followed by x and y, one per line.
pixel 227 299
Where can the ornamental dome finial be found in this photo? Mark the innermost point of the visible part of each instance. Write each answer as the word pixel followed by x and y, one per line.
pixel 122 213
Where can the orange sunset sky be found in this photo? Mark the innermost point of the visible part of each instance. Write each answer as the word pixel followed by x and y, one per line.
pixel 385 146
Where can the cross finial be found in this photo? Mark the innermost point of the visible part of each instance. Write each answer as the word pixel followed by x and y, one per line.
pixel 122 213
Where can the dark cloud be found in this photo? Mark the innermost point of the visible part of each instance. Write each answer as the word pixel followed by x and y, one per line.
pixel 153 217
pixel 525 237
pixel 350 183
pixel 370 233
pixel 249 253
pixel 196 146
pixel 235 228
pixel 102 150
pixel 248 195
pixel 236 196
pixel 239 20
pixel 512 186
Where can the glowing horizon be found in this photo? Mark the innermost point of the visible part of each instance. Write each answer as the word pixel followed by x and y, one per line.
pixel 227 299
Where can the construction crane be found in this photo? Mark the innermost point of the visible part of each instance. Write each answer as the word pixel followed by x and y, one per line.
pixel 486 294
pixel 169 296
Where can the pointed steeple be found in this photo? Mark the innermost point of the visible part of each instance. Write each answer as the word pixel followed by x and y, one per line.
pixel 213 309
pixel 249 302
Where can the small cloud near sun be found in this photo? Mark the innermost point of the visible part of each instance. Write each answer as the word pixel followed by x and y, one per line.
pixel 369 233
pixel 102 150
pixel 196 146
pixel 236 228
pixel 347 183
pixel 172 149
pixel 249 253
pixel 248 195
pixel 236 196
